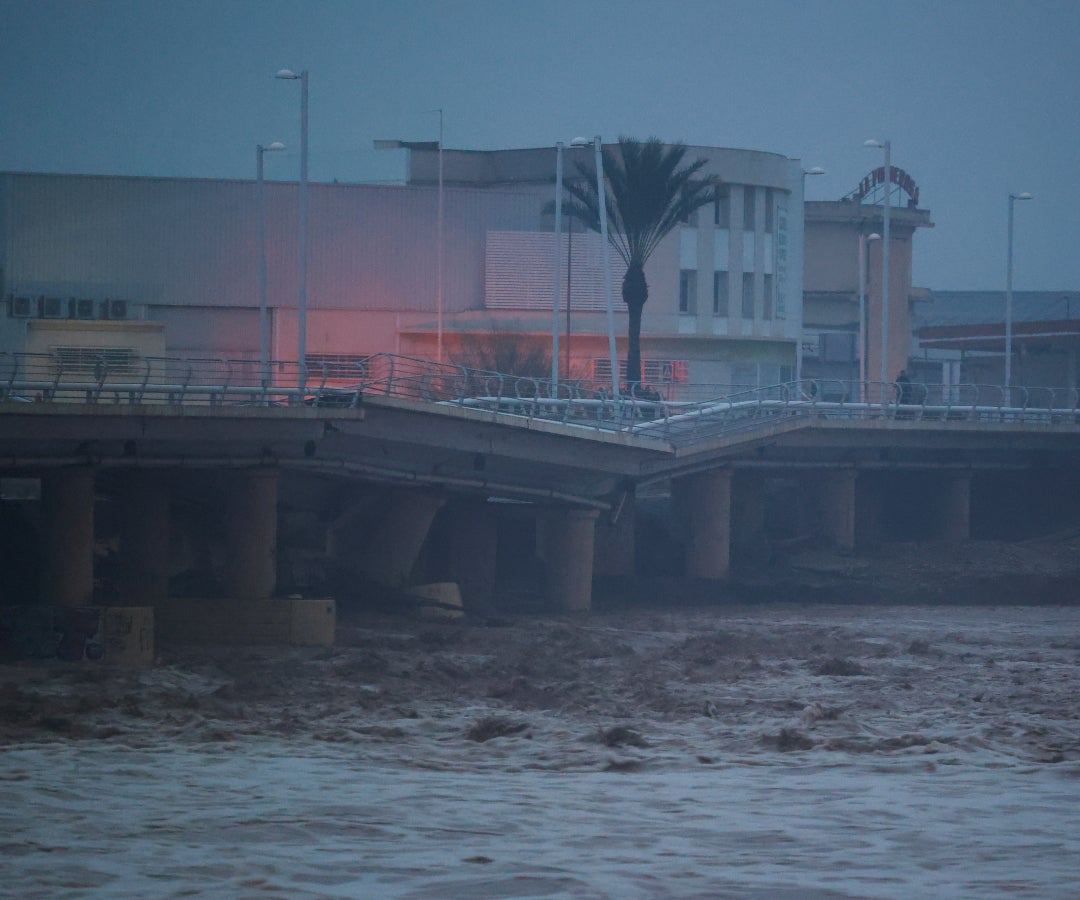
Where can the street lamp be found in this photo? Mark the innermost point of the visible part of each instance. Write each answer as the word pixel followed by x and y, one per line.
pixel 887 147
pixel 557 277
pixel 864 239
pixel 1024 195
pixel 264 341
pixel 437 146
pixel 601 196
pixel 289 75
pixel 813 170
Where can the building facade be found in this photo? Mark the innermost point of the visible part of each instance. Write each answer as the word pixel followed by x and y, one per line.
pixel 153 266
pixel 118 268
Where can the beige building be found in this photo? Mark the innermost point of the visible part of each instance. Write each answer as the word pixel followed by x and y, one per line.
pixel 115 268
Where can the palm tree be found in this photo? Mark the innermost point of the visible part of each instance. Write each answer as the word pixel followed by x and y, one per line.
pixel 648 194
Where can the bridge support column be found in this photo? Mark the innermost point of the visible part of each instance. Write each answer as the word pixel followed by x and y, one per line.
pixel 566 541
pixel 956 508
pixel 702 502
pixel 251 534
pixel 144 540
pixel 67 500
pixel 391 549
pixel 869 509
pixel 837 494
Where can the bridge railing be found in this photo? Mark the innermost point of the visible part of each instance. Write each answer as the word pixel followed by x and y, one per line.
pixel 102 377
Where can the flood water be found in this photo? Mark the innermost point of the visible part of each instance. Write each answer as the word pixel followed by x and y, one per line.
pixel 944 762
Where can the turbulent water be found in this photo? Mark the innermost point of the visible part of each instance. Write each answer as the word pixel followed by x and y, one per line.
pixel 795 751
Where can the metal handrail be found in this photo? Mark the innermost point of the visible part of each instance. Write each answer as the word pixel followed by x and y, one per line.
pixel 42 377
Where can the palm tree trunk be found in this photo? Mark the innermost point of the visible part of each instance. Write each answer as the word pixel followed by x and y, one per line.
pixel 635 291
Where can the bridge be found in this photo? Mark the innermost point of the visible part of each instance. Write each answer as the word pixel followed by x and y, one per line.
pixel 221 482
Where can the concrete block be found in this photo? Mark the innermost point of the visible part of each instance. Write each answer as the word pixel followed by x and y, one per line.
pixel 275 620
pixel 127 633
pixel 118 635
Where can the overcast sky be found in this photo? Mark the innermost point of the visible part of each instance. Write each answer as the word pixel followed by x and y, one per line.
pixel 979 97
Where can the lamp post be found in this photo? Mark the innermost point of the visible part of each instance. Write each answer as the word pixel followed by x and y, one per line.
pixel 887 147
pixel 438 147
pixel 813 170
pixel 864 239
pixel 439 248
pixel 264 339
pixel 557 277
pixel 289 75
pixel 1024 195
pixel 601 195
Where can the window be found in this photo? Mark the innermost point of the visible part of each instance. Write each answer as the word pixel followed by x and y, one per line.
pixel 720 294
pixel 653 371
pixel 687 291
pixel 768 298
pixel 336 366
pixel 96 361
pixel 748 295
pixel 748 208
pixel 721 206
pixel 769 211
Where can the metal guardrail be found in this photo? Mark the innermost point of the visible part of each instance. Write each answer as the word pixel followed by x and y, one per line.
pixel 43 378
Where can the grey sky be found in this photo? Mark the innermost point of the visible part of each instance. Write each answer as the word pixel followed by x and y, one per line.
pixel 979 97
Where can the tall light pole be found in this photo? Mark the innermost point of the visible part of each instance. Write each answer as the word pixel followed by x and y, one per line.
pixel 1024 195
pixel 864 239
pixel 601 195
pixel 395 144
pixel 264 337
pixel 289 75
pixel 557 277
pixel 439 248
pixel 887 147
pixel 813 170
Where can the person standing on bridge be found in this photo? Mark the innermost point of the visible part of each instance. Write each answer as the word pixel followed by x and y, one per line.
pixel 903 388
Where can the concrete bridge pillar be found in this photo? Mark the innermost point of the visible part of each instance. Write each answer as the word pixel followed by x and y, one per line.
pixel 956 508
pixel 870 509
pixel 566 540
pixel 392 546
pixel 837 495
pixel 67 501
pixel 702 503
pixel 251 534
pixel 144 540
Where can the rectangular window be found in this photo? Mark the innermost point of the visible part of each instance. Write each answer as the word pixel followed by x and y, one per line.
pixel 748 209
pixel 769 211
pixel 97 361
pixel 721 206
pixel 336 366
pixel 719 294
pixel 767 284
pixel 748 295
pixel 653 371
pixel 688 291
